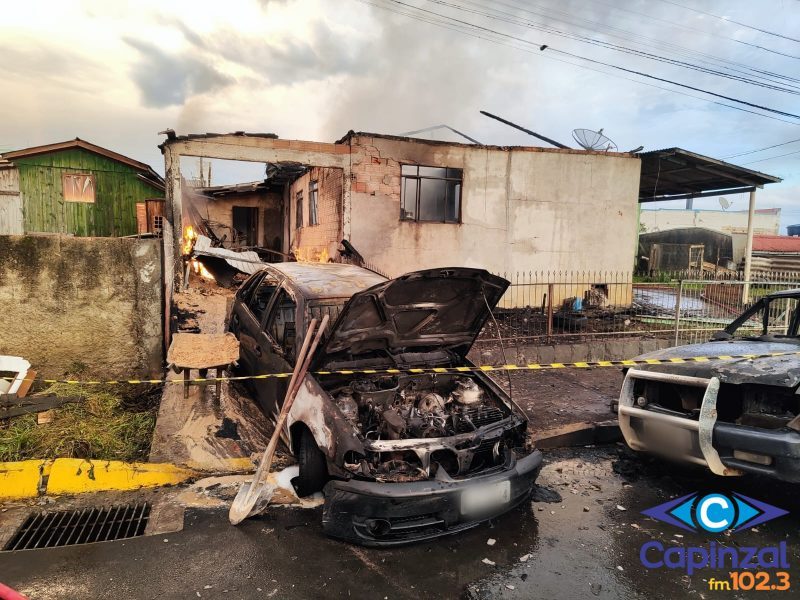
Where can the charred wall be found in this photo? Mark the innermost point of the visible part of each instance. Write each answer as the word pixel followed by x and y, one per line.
pixel 220 210
pixel 317 242
pixel 67 302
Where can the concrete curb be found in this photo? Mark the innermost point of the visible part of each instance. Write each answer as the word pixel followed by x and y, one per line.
pixel 32 478
pixel 22 479
pixel 578 434
pixel 78 476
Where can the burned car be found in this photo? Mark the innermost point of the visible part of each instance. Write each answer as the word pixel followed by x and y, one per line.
pixel 733 415
pixel 406 440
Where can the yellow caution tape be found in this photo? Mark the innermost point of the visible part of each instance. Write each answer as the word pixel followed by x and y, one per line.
pixel 422 370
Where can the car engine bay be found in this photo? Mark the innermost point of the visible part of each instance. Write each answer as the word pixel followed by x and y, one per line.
pixel 429 408
pixel 414 407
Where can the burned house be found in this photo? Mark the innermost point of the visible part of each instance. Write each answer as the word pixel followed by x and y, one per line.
pixel 244 215
pixel 77 188
pixel 404 204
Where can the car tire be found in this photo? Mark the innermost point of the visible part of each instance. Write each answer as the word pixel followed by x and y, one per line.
pixel 313 467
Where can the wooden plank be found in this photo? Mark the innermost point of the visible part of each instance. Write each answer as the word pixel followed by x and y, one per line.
pixel 13 406
pixel 26 384
pixel 203 350
pixel 141 217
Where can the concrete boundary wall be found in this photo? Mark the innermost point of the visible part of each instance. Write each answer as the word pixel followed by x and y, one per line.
pixel 594 350
pixel 82 304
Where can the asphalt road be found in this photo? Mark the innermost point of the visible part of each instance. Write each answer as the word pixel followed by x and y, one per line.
pixel 579 538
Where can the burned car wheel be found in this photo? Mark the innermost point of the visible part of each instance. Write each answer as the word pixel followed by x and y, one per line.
pixel 313 469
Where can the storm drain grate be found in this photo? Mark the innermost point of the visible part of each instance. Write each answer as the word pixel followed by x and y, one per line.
pixel 70 527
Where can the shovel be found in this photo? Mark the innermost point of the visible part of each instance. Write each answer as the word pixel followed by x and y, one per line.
pixel 253 498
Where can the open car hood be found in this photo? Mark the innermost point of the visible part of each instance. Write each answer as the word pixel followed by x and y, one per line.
pixel 417 313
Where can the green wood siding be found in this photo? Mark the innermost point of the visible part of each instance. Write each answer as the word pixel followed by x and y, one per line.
pixel 117 190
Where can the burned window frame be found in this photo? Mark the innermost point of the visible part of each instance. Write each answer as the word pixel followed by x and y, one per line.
pixel 418 179
pixel 313 198
pixel 298 197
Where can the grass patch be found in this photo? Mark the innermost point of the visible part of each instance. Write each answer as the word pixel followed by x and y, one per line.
pixel 103 425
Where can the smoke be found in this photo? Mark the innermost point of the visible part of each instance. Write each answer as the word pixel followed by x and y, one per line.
pixel 420 75
pixel 284 60
pixel 193 115
pixel 168 79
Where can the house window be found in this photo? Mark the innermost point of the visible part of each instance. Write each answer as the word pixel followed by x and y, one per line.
pixel 299 203
pixel 158 224
pixel 430 194
pixel 78 187
pixel 313 194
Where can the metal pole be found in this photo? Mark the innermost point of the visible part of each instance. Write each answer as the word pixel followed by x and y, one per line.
pixel 748 252
pixel 678 299
pixel 549 310
pixel 528 131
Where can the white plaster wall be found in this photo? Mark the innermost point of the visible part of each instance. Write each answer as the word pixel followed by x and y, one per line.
pixel 522 210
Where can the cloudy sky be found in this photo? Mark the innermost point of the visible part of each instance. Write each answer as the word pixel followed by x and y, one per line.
pixel 116 73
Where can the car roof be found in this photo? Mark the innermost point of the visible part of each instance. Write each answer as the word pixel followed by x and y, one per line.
pixel 326 280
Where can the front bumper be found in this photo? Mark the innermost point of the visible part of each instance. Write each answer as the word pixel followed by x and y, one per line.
pixel 781 446
pixel 725 448
pixel 390 514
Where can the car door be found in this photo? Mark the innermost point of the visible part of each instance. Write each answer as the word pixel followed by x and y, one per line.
pixel 276 342
pixel 248 315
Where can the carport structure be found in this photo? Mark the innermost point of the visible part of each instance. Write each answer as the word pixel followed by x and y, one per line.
pixel 677 174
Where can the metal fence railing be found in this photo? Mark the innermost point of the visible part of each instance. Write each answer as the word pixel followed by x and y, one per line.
pixel 684 307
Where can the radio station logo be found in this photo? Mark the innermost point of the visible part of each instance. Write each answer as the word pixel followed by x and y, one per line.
pixel 715 512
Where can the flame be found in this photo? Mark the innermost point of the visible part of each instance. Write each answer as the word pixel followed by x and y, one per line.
pixel 201 270
pixel 312 255
pixel 188 240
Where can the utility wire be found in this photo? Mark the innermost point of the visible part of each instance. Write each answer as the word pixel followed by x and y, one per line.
pixel 627 35
pixel 616 47
pixel 772 157
pixel 599 62
pixel 503 42
pixel 762 149
pixel 708 33
pixel 729 20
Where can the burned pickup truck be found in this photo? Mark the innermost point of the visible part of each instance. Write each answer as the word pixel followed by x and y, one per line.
pixel 406 440
pixel 733 415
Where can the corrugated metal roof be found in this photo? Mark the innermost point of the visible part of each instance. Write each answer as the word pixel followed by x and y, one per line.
pixel 146 170
pixel 776 243
pixel 675 173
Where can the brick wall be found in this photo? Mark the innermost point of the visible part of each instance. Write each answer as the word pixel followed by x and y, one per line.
pixel 317 242
pixel 374 174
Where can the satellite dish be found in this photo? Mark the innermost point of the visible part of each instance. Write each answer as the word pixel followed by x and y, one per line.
pixel 588 139
pixel 724 203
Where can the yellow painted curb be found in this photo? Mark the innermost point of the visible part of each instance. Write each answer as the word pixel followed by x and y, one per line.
pixel 21 479
pixel 78 476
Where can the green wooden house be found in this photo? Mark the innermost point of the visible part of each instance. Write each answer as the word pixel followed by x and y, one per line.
pixel 76 188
